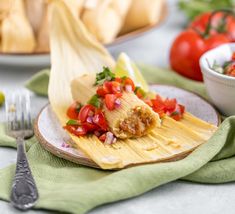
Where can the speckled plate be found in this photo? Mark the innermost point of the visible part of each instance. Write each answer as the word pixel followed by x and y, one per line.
pixel 52 136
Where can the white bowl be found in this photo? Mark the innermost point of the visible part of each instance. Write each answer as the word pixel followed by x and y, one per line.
pixel 220 88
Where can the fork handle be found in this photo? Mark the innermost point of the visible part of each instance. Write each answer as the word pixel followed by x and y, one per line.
pixel 24 191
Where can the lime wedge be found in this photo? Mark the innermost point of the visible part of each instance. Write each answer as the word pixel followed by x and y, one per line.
pixel 2 98
pixel 125 67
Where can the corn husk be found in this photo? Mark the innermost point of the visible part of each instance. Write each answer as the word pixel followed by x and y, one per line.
pixel 16 33
pixel 142 13
pixel 74 52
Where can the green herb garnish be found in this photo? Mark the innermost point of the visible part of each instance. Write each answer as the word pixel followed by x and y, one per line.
pixel 193 8
pixel 78 107
pixel 73 123
pixel 95 101
pixel 105 75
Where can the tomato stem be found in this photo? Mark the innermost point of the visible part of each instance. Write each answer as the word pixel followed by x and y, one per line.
pixel 221 28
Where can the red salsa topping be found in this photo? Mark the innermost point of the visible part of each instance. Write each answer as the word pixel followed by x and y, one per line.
pixel 228 67
pixel 90 119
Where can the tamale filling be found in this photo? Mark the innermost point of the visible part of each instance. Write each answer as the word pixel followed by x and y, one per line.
pixel 138 122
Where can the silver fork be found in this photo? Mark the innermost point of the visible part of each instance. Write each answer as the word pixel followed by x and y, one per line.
pixel 24 193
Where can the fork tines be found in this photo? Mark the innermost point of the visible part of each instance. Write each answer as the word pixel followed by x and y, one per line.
pixel 18 116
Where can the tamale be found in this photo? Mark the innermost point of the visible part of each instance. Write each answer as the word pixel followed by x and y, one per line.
pixel 133 119
pixel 43 33
pixel 16 33
pixel 74 52
pixel 104 18
pixel 35 11
pixel 142 13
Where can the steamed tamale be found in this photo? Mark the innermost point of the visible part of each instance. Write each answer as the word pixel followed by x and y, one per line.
pixel 142 13
pixel 75 52
pixel 16 32
pixel 104 18
pixel 133 119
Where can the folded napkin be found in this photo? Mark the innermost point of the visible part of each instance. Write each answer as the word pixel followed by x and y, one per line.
pixel 69 187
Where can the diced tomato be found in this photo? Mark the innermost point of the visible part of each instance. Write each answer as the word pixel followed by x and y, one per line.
pixel 102 137
pixel 118 95
pixel 85 112
pixel 110 101
pixel 107 86
pixel 170 105
pixel 101 91
pixel 182 108
pixel 89 127
pixel 78 131
pixel 116 87
pixel 158 104
pixel 99 119
pixel 73 110
pixel 233 56
pixel 128 81
pixel 118 79
pixel 177 117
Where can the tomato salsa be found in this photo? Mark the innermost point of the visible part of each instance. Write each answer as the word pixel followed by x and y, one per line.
pixel 228 67
pixel 90 118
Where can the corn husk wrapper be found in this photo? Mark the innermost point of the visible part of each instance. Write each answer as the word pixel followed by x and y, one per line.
pixel 74 53
pixel 132 119
pixel 104 18
pixel 142 13
pixel 16 33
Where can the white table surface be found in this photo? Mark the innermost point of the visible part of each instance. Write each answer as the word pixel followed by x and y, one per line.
pixel 177 197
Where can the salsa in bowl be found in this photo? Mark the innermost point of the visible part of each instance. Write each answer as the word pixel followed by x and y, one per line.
pixel 218 67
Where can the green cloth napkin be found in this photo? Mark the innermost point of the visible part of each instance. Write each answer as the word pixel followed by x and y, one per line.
pixel 68 187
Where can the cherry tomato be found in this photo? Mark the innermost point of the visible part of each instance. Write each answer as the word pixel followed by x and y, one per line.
pixel 110 101
pixel 187 49
pixel 73 110
pixel 78 131
pixel 86 111
pixel 129 81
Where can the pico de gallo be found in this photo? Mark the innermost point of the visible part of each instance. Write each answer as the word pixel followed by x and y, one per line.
pixel 228 67
pixel 90 118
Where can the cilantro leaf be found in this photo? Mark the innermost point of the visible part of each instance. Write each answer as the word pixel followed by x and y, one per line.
pixel 106 74
pixel 95 101
pixel 73 123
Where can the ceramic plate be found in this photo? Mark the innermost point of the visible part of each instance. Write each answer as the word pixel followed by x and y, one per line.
pixel 52 136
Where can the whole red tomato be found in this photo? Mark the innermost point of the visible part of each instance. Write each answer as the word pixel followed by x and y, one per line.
pixel 187 49
pixel 221 22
